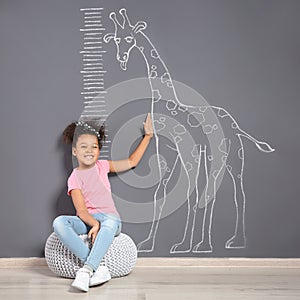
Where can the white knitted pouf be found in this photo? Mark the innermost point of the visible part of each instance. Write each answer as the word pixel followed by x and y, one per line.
pixel 120 258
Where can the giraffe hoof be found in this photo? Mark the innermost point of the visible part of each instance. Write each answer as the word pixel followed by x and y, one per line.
pixel 235 243
pixel 202 247
pixel 179 248
pixel 146 246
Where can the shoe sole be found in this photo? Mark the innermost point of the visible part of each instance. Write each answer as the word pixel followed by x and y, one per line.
pixel 100 281
pixel 80 287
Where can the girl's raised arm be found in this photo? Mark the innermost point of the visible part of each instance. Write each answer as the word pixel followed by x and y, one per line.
pixel 136 156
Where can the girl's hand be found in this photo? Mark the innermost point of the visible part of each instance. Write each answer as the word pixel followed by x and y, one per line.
pixel 148 128
pixel 93 232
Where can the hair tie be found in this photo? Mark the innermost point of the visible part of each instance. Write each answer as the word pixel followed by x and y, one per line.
pixel 87 127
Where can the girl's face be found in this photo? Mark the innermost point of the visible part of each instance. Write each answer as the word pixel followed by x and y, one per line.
pixel 86 151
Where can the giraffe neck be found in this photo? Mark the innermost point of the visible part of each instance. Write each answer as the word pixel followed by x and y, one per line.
pixel 158 74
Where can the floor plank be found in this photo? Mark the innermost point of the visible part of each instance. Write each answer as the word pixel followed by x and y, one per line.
pixel 156 283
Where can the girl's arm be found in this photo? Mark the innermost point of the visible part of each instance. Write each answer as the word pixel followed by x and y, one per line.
pixel 83 213
pixel 136 156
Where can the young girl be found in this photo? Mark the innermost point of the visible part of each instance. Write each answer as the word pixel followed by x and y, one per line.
pixel 89 187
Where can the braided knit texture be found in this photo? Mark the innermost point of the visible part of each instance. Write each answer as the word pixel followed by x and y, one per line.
pixel 120 258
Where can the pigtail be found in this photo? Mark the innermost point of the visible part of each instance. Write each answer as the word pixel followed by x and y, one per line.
pixel 68 133
pixel 102 135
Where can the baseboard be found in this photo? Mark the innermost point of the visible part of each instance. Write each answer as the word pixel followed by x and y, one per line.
pixel 33 262
pixel 27 262
pixel 218 262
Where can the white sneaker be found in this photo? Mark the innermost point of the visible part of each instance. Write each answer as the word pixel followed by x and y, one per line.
pixel 82 280
pixel 100 276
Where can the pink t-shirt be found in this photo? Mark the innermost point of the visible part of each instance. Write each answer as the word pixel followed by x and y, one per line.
pixel 95 187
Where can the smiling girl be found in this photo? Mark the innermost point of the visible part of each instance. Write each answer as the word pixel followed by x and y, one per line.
pixel 89 188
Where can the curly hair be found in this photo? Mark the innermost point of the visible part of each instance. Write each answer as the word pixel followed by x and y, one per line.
pixel 75 129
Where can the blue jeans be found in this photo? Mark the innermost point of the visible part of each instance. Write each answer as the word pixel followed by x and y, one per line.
pixel 68 229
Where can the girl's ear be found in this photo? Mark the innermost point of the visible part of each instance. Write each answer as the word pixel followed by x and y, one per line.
pixel 74 151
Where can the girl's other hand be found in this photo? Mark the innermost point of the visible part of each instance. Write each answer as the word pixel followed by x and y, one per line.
pixel 148 128
pixel 93 232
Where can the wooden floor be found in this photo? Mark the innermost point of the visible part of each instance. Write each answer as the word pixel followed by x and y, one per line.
pixel 159 283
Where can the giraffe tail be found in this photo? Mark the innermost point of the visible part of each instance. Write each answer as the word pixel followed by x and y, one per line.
pixel 262 146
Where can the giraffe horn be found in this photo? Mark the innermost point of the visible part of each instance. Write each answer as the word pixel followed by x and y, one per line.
pixel 113 17
pixel 123 13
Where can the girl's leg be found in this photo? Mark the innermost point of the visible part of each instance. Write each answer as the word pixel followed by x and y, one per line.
pixel 68 229
pixel 110 227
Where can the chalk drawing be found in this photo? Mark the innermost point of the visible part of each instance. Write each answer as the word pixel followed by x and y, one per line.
pixel 178 122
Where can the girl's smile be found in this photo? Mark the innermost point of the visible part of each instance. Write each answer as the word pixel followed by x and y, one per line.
pixel 86 151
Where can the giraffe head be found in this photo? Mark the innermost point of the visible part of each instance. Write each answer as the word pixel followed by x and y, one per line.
pixel 124 36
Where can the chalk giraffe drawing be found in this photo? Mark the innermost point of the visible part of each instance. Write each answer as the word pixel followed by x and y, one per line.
pixel 225 150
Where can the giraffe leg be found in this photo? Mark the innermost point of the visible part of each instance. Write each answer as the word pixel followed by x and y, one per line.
pixel 147 245
pixel 185 245
pixel 160 195
pixel 238 240
pixel 205 245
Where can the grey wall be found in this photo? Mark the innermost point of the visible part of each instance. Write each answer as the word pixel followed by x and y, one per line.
pixel 239 55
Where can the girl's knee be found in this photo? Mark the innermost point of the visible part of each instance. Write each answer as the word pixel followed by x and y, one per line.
pixel 58 223
pixel 111 225
pixel 119 229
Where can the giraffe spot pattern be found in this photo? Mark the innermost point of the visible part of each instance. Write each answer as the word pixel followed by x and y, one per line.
pixel 195 119
pixel 165 77
pixel 234 125
pixel 163 164
pixel 222 113
pixel 154 54
pixel 203 108
pixel 153 74
pixel 188 166
pixel 222 147
pixel 169 84
pixel 183 108
pixel 215 173
pixel 156 96
pixel 196 151
pixel 224 158
pixel 207 129
pixel 171 104
pixel 177 139
pixel 229 168
pixel 179 129
pixel 158 125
